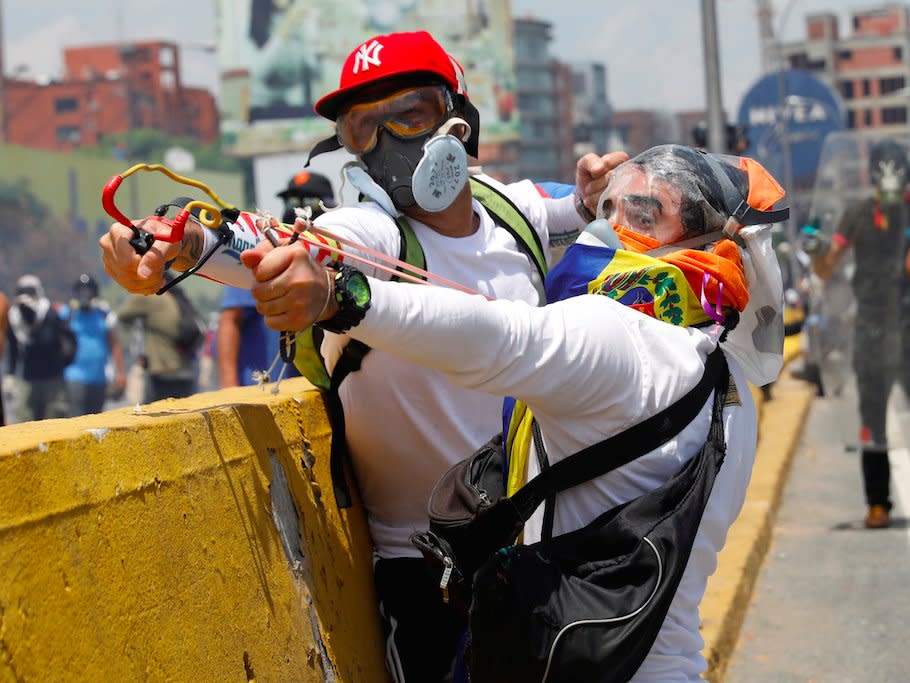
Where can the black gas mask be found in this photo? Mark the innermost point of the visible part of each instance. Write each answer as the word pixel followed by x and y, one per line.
pixel 391 163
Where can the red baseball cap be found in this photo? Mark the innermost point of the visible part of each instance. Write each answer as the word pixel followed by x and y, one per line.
pixel 395 54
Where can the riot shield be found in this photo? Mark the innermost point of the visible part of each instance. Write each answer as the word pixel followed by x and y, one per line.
pixel 845 194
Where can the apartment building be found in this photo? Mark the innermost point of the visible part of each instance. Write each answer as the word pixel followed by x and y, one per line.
pixel 869 68
pixel 108 89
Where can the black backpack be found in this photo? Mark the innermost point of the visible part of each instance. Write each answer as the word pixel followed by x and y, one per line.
pixel 56 333
pixel 585 606
pixel 66 338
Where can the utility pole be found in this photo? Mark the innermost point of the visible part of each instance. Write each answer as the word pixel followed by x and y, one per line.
pixel 783 130
pixel 767 42
pixel 712 78
pixel 2 82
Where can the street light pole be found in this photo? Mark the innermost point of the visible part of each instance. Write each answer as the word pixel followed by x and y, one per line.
pixel 712 78
pixel 783 124
pixel 3 126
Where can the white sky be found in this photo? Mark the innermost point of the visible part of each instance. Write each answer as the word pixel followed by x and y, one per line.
pixel 652 48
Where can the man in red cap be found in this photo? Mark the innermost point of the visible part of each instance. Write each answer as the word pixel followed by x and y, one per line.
pixel 402 109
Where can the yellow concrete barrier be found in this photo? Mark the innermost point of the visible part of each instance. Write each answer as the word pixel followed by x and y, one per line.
pixel 196 540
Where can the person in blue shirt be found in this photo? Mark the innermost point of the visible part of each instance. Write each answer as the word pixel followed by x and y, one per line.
pixel 245 347
pixel 95 326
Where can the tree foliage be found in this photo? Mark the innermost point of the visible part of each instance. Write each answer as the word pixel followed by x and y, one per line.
pixel 150 145
pixel 33 242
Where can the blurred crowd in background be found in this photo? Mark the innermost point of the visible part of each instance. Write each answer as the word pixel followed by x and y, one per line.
pixel 81 355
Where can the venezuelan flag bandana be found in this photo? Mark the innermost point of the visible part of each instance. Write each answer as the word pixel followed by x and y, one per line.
pixel 672 288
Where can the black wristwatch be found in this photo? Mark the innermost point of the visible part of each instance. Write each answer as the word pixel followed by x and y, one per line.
pixel 352 292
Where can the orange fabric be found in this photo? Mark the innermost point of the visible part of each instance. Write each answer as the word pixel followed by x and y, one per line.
pixel 764 190
pixel 724 264
pixel 634 241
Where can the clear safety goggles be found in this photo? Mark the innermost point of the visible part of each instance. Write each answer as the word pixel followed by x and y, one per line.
pixel 406 114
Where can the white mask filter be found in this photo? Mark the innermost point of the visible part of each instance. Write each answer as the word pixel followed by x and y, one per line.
pixel 443 171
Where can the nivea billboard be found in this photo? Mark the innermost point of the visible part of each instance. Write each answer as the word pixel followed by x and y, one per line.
pixel 795 106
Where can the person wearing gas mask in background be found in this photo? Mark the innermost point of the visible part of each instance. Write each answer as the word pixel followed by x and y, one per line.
pixel 626 333
pixel 40 346
pixel 98 345
pixel 875 229
pixel 245 347
pixel 402 108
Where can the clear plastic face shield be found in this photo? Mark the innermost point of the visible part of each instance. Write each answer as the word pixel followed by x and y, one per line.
pixel 644 203
pixel 672 198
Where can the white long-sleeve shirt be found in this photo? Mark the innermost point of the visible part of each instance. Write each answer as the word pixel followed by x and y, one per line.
pixel 588 368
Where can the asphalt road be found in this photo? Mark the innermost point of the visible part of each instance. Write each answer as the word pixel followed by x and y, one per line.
pixel 832 600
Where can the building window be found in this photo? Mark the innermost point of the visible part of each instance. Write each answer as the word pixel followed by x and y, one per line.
pixel 579 82
pixel 894 115
pixel 866 87
pixel 898 54
pixel 800 60
pixel 851 119
pixel 845 54
pixel 846 90
pixel 816 65
pixel 867 117
pixel 65 104
pixel 68 134
pixel 889 85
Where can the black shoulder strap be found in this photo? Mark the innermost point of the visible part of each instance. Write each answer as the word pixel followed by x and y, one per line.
pixel 621 449
pixel 351 358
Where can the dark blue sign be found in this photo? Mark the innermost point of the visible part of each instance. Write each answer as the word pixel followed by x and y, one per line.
pixel 794 106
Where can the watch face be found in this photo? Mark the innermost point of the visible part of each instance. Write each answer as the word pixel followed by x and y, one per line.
pixel 359 288
pixel 352 291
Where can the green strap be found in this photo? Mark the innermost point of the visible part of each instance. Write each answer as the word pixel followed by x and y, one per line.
pixel 411 252
pixel 510 217
pixel 308 360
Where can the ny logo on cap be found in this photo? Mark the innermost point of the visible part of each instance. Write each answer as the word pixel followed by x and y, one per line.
pixel 367 55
